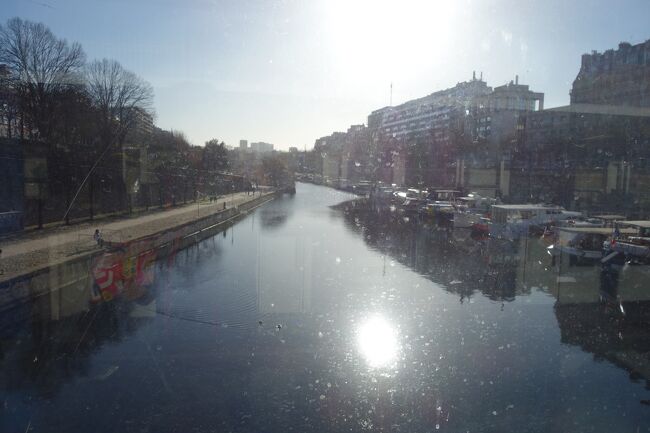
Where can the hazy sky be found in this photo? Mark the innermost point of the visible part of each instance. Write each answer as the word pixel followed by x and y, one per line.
pixel 288 72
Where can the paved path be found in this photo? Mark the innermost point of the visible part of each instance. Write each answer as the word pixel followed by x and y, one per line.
pixel 41 248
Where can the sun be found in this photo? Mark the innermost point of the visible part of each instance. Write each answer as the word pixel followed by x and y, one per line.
pixel 377 38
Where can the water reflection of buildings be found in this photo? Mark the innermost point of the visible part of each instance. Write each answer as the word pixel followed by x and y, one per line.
pixel 607 315
pixel 605 312
pixel 610 320
pixel 499 270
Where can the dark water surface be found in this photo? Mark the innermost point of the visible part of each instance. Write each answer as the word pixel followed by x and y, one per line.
pixel 312 316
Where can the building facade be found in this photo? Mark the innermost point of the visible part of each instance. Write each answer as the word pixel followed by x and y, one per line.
pixel 588 157
pixel 490 128
pixel 432 112
pixel 261 147
pixel 453 137
pixel 615 77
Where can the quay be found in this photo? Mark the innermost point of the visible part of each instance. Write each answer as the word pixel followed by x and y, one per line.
pixel 59 261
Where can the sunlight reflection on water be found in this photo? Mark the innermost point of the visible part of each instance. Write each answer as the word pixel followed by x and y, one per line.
pixel 377 341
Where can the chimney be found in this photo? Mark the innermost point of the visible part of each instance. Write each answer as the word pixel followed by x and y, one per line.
pixel 516 79
pixel 481 75
pixel 473 75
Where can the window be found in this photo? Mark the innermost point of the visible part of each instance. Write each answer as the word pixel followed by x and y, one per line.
pixel 244 217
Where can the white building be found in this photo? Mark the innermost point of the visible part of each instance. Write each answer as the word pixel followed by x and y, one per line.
pixel 432 112
pixel 261 147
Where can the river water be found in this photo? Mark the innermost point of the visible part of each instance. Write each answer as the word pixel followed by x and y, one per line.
pixel 316 314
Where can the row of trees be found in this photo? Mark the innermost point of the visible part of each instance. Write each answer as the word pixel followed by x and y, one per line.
pixel 90 122
pixel 52 93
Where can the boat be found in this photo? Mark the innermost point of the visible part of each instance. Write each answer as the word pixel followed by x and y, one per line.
pixel 480 230
pixel 442 195
pixel 381 196
pixel 511 221
pixel 469 210
pixel 440 212
pixel 626 246
pixel 399 195
pixel 582 244
pixel 412 205
pixel 363 187
pixel 609 220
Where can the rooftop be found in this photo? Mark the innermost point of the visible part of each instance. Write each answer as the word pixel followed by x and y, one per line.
pixel 598 230
pixel 641 223
pixel 614 110
pixel 525 206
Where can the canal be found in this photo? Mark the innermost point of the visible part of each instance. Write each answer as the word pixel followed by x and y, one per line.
pixel 315 313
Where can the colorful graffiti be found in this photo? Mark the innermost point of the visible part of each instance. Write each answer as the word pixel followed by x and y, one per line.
pixel 123 273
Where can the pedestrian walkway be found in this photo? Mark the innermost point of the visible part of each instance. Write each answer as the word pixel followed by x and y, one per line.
pixel 40 249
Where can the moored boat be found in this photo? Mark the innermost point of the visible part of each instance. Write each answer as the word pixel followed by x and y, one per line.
pixel 582 244
pixel 512 221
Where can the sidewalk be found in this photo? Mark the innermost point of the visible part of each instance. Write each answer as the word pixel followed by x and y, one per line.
pixel 39 249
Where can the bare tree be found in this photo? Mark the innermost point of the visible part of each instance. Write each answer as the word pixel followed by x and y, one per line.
pixel 43 67
pixel 121 98
pixel 8 103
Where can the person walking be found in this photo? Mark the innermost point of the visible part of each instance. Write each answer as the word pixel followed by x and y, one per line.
pixel 98 238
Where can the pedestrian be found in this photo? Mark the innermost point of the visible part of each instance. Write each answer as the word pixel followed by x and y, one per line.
pixel 98 238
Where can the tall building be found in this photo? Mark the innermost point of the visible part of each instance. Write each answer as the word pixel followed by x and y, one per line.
pixel 427 135
pixel 243 144
pixel 140 125
pixel 615 77
pixel 493 119
pixel 261 147
pixel 434 111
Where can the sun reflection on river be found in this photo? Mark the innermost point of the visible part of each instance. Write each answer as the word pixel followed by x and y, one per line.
pixel 377 341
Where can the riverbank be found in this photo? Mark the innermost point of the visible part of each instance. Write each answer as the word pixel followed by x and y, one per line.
pixel 37 266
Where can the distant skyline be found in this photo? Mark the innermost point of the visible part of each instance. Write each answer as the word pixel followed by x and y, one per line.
pixel 288 72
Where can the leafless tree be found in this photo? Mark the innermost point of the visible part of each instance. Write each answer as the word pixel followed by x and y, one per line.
pixel 8 103
pixel 43 66
pixel 120 97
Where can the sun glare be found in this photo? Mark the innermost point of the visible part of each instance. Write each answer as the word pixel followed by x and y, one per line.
pixel 377 341
pixel 387 37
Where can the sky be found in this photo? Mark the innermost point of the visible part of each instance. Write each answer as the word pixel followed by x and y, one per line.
pixel 288 72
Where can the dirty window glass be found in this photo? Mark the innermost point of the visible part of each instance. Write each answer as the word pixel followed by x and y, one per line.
pixel 324 216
